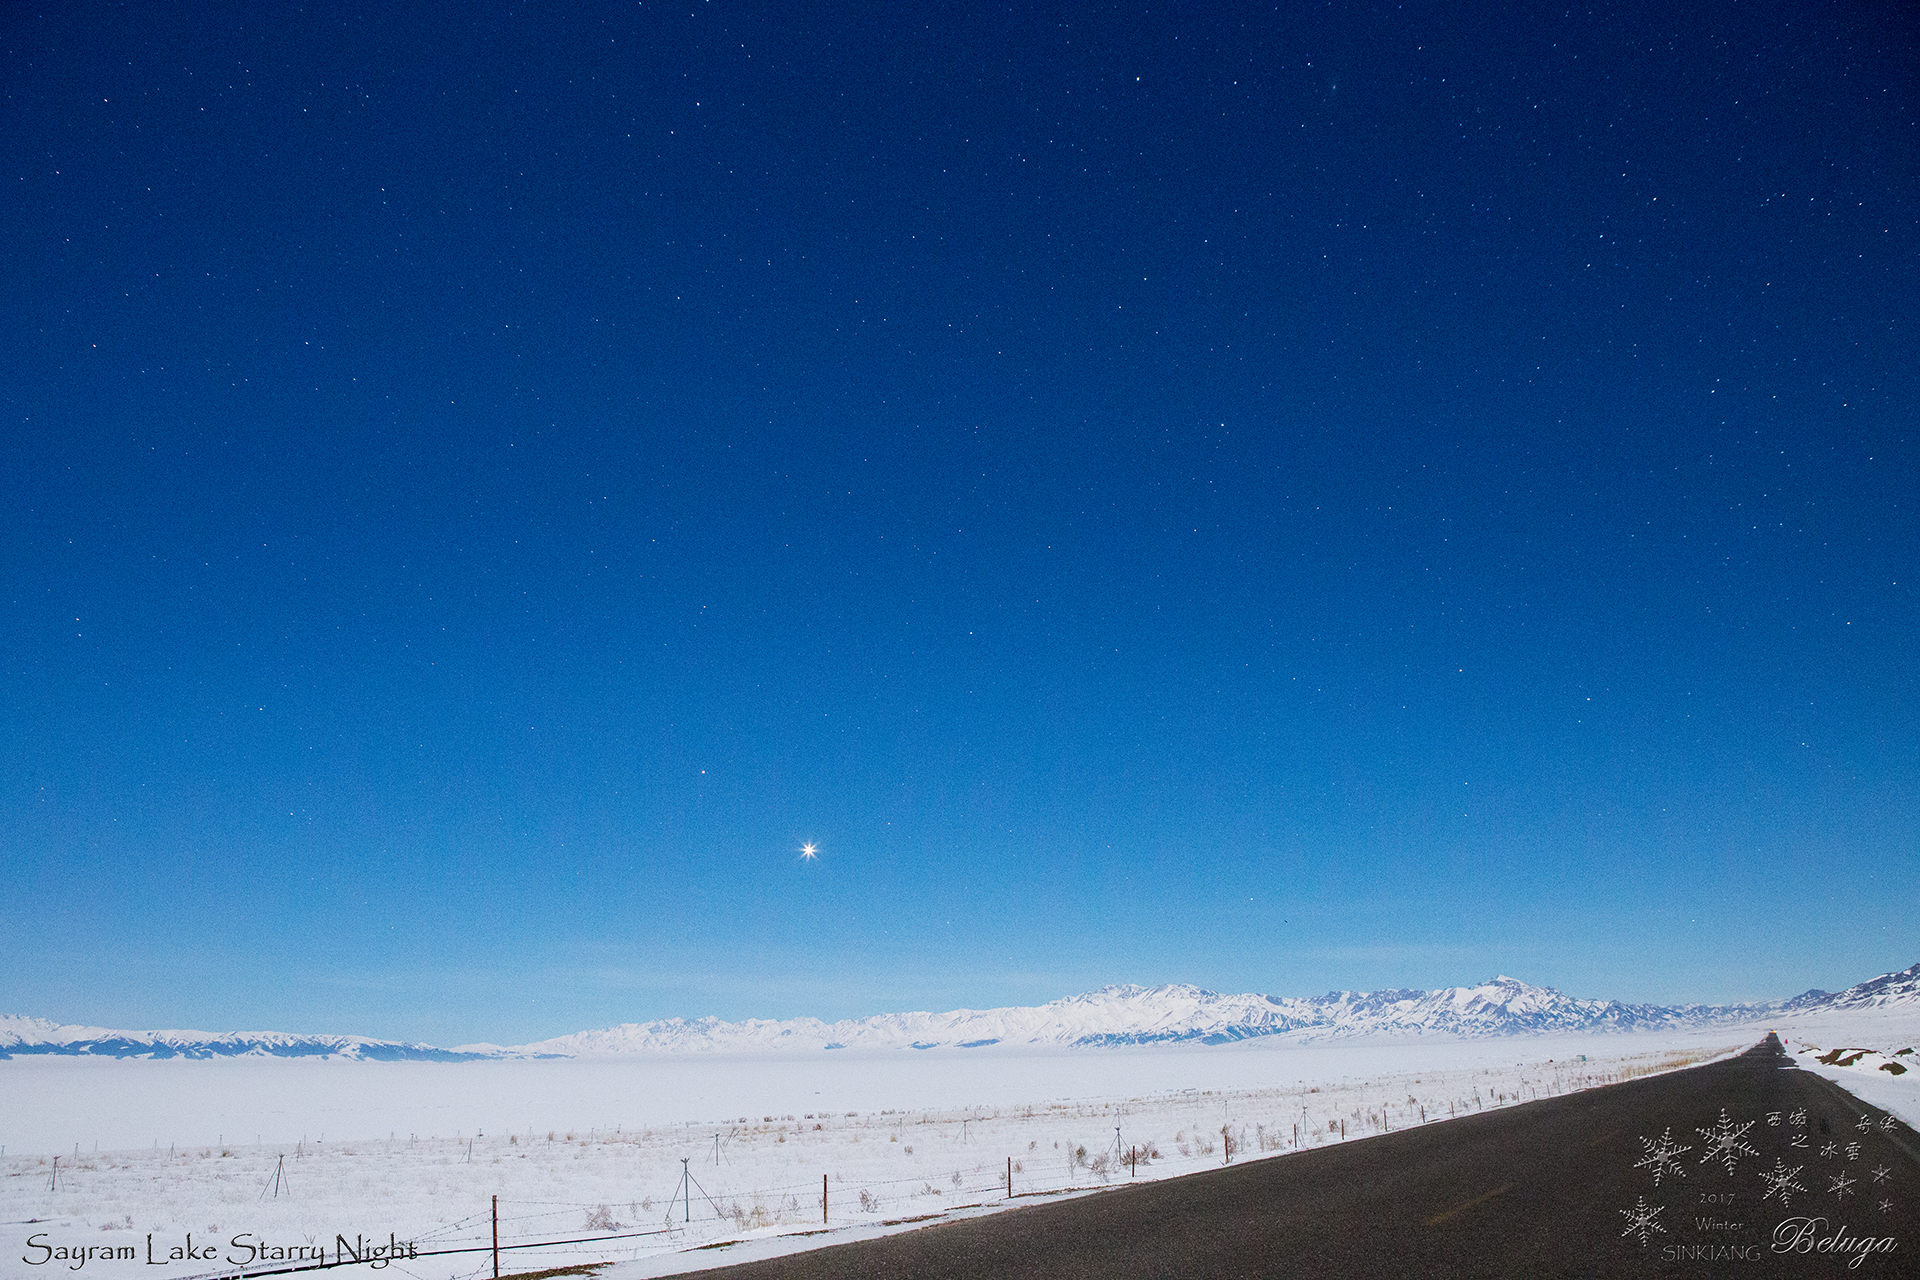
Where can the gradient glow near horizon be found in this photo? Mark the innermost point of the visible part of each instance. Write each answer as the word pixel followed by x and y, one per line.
pixel 1336 497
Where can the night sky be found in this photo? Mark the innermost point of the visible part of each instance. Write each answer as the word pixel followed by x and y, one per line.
pixel 1355 495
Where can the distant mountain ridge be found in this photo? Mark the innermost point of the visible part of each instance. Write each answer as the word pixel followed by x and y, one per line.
pixel 1111 1016
pixel 1131 1015
pixel 20 1035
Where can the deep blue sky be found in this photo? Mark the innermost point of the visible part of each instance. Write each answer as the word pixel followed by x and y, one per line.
pixel 1276 498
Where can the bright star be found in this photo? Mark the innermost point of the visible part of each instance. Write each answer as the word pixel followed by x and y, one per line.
pixel 807 853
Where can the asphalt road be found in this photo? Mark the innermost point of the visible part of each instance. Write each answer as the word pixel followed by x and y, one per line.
pixel 1558 1187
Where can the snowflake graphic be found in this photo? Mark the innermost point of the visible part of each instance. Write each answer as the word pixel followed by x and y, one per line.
pixel 1784 1181
pixel 1798 1118
pixel 1641 1220
pixel 1724 1142
pixel 1886 1206
pixel 1882 1174
pixel 1829 1151
pixel 1662 1157
pixel 1842 1185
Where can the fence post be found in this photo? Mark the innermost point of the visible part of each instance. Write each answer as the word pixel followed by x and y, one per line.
pixel 1009 1177
pixel 496 1238
pixel 823 1199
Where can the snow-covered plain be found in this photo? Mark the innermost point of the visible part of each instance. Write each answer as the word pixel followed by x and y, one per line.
pixel 414 1151
pixel 272 1159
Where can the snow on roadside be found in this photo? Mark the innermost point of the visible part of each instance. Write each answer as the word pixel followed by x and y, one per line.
pixel 1872 1053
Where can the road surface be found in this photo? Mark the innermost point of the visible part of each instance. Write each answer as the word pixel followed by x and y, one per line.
pixel 1746 1167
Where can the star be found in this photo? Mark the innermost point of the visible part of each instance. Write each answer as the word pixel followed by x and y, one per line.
pixel 809 852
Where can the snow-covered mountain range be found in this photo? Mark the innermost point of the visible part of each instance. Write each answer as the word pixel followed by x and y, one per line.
pixel 1118 1015
pixel 20 1035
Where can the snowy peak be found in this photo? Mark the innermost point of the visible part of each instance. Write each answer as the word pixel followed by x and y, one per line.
pixel 1110 1015
pixel 1902 988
